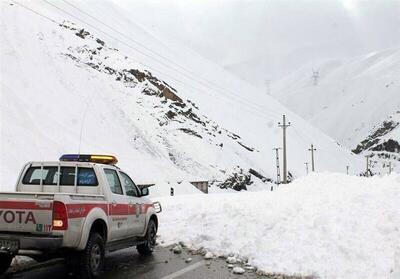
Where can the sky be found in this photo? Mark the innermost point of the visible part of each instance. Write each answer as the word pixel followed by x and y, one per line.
pixel 229 32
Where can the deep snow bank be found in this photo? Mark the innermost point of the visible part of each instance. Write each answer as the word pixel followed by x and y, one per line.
pixel 330 225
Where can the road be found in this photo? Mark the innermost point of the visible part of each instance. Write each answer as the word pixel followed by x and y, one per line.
pixel 127 263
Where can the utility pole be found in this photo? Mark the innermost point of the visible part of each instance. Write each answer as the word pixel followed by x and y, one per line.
pixel 315 77
pixel 347 170
pixel 278 170
pixel 390 167
pixel 306 163
pixel 284 126
pixel 367 173
pixel 312 149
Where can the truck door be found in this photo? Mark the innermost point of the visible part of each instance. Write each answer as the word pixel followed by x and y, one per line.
pixel 137 216
pixel 118 207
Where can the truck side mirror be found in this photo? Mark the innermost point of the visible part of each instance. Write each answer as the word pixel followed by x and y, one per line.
pixel 145 191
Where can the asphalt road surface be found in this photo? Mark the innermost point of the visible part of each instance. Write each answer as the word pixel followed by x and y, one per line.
pixel 127 263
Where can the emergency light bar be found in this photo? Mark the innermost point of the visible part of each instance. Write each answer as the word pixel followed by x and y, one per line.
pixel 100 159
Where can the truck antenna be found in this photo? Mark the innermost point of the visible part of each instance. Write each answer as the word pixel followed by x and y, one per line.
pixel 82 125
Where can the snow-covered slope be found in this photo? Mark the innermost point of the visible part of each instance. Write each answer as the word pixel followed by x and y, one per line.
pixel 86 78
pixel 383 145
pixel 350 98
pixel 274 66
pixel 384 137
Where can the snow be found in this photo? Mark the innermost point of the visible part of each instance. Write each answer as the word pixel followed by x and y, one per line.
pixel 329 225
pixel 333 225
pixel 238 270
pixel 352 95
pixel 163 188
pixel 208 256
pixel 395 133
pixel 47 99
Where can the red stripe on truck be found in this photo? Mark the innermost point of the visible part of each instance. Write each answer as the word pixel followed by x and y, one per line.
pixel 25 205
pixel 119 209
pixel 80 210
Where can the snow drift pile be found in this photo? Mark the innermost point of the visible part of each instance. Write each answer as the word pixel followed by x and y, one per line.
pixel 326 225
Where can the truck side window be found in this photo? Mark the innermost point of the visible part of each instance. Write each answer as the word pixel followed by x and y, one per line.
pixel 49 176
pixel 113 181
pixel 130 187
pixel 87 177
pixel 67 176
pixel 35 174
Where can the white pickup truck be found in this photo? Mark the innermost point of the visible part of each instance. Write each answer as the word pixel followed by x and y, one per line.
pixel 77 208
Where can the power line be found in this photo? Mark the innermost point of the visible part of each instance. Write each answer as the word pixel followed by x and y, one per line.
pixel 261 111
pixel 145 47
pixel 122 42
pixel 39 14
pixel 134 41
pixel 54 21
pixel 307 139
pixel 160 62
pixel 122 34
pixel 249 104
pixel 300 136
pixel 82 125
pixel 304 137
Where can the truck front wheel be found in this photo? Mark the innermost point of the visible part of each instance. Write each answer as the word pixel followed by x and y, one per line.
pixel 150 240
pixel 5 262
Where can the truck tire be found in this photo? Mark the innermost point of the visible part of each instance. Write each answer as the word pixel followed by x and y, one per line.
pixel 91 259
pixel 148 247
pixel 5 262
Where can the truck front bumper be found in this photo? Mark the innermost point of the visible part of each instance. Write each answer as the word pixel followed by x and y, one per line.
pixel 32 244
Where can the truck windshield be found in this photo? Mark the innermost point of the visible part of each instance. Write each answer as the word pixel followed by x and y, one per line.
pixel 49 175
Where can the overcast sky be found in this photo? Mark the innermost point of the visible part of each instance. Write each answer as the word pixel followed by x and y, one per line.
pixel 233 31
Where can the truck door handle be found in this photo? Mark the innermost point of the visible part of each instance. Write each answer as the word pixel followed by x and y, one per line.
pixel 114 203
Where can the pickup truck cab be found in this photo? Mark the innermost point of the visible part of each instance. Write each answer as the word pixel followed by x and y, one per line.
pixel 78 208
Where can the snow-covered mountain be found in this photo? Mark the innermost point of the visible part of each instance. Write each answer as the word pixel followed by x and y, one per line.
pixel 354 101
pixel 78 77
pixel 359 93
pixel 274 66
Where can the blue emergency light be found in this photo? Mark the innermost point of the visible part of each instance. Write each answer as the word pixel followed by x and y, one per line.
pixel 100 159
